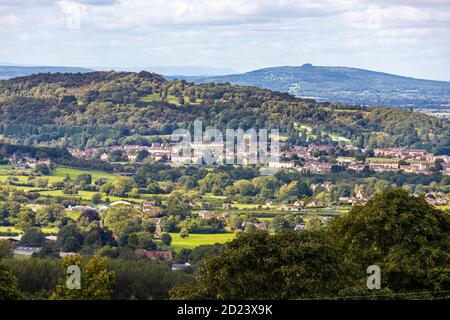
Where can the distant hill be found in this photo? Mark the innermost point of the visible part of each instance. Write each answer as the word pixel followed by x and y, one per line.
pixel 346 85
pixel 8 72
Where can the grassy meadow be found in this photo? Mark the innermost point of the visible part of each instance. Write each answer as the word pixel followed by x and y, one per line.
pixel 195 240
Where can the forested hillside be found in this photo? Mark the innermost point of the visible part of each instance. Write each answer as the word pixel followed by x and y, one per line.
pixel 106 108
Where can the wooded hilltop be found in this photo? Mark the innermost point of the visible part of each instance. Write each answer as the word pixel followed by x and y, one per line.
pixel 108 108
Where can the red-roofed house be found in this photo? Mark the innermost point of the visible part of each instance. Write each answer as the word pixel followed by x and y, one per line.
pixel 159 255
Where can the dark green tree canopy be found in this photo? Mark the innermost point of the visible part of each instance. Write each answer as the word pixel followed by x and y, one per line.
pixel 33 237
pixel 8 284
pixel 408 238
pixel 257 265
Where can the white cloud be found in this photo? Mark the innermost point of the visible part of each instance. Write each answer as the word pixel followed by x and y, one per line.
pixel 242 34
pixel 73 12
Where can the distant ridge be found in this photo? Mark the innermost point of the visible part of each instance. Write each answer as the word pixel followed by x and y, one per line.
pixel 343 84
pixel 9 71
pixel 173 71
pixel 190 71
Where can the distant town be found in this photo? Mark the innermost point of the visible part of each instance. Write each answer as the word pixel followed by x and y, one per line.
pixel 311 159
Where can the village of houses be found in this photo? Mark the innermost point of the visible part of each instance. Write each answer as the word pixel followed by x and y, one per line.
pixel 389 160
pixel 406 160
pixel 148 208
pixel 151 209
pixel 411 161
pixel 207 212
pixel 384 160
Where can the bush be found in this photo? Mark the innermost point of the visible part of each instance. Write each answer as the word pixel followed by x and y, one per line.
pixel 33 237
pixel 166 239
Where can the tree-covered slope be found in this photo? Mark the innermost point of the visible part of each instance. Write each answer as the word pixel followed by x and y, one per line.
pixel 104 108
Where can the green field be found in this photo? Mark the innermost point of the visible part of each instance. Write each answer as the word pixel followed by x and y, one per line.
pixel 156 136
pixel 243 206
pixel 209 195
pixel 18 230
pixel 21 257
pixel 61 172
pixel 280 137
pixel 195 240
pixel 382 159
pixel 57 175
pixel 333 136
pixel 85 195
pixel 375 159
pixel 170 99
pixel 73 215
pixel 10 229
pixel 151 98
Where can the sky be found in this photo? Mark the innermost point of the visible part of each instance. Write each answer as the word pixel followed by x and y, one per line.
pixel 406 37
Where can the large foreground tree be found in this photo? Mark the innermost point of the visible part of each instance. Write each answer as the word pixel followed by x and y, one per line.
pixel 96 280
pixel 402 234
pixel 257 265
pixel 8 284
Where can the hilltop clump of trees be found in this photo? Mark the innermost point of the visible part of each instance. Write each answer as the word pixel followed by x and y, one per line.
pixel 107 108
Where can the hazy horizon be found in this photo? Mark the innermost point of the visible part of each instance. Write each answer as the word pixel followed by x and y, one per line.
pixel 213 70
